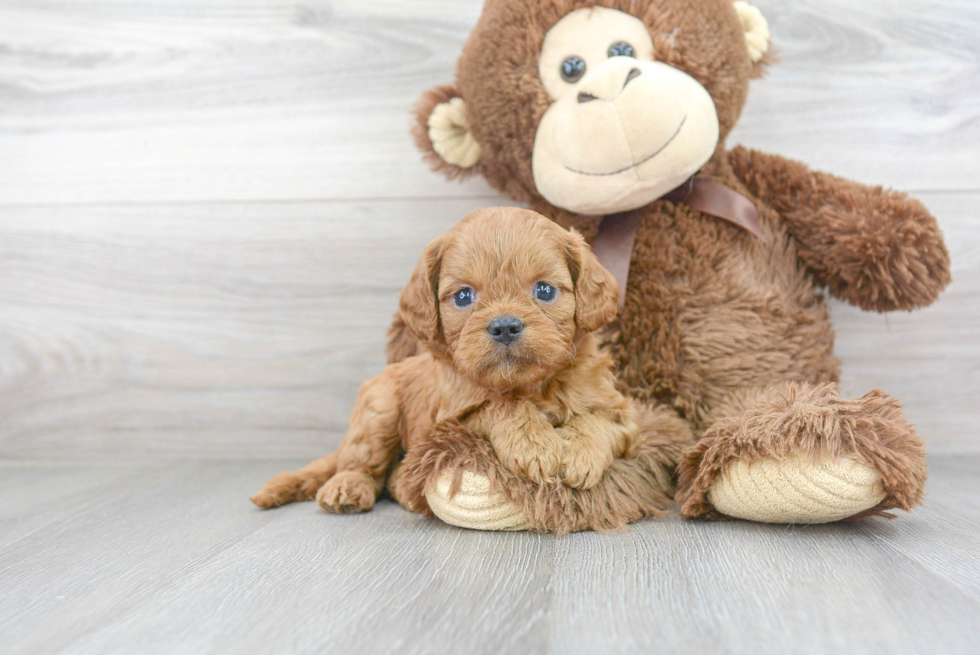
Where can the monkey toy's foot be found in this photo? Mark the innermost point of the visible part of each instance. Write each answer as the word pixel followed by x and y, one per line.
pixel 474 505
pixel 801 454
pixel 455 475
pixel 796 490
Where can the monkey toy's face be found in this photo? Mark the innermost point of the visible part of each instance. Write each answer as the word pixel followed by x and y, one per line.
pixel 623 129
pixel 594 107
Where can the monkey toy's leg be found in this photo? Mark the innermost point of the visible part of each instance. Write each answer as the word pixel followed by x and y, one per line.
pixel 799 453
pixel 350 479
pixel 453 473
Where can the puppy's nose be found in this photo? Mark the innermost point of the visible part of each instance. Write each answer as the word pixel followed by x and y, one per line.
pixel 505 329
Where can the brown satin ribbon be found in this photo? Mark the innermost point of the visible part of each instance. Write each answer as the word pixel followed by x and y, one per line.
pixel 613 244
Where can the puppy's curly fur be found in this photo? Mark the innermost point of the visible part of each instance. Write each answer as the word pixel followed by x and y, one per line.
pixel 545 398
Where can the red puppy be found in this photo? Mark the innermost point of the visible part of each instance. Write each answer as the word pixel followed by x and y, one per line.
pixel 506 304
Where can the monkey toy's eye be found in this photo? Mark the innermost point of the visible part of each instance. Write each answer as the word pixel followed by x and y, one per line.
pixel 545 292
pixel 620 49
pixel 572 69
pixel 464 297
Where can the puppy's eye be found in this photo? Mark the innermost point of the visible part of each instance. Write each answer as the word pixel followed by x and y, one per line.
pixel 545 292
pixel 572 69
pixel 620 49
pixel 464 297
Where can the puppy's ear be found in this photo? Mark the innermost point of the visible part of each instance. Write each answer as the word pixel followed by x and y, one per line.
pixel 418 303
pixel 442 132
pixel 596 290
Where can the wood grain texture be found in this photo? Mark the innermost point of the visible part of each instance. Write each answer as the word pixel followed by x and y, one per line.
pixel 29 490
pixel 172 100
pixel 929 358
pixel 215 330
pixel 245 330
pixel 880 91
pixel 173 558
pixel 207 211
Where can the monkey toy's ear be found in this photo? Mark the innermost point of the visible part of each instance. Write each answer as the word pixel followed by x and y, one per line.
pixel 442 133
pixel 758 38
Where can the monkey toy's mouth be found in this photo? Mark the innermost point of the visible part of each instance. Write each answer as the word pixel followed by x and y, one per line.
pixel 642 161
pixel 627 146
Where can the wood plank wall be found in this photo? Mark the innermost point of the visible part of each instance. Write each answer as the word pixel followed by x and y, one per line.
pixel 207 209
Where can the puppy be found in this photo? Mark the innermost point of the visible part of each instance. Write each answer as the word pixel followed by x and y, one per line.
pixel 506 304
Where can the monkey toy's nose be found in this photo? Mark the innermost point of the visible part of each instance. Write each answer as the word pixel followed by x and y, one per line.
pixel 505 329
pixel 605 88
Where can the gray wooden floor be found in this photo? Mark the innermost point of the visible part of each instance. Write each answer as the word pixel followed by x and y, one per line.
pixel 170 557
pixel 206 212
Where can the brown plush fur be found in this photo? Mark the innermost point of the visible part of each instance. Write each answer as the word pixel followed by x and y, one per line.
pixel 813 419
pixel 712 314
pixel 546 404
pixel 632 489
pixel 497 75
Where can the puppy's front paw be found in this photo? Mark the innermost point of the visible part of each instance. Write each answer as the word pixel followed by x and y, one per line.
pixel 584 462
pixel 539 463
pixel 347 492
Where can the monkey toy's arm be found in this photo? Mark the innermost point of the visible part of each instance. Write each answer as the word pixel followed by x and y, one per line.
pixel 877 249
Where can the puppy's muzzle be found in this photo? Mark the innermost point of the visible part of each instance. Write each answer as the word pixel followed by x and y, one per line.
pixel 505 329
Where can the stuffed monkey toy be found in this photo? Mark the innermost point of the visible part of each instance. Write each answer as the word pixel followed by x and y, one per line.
pixel 610 116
